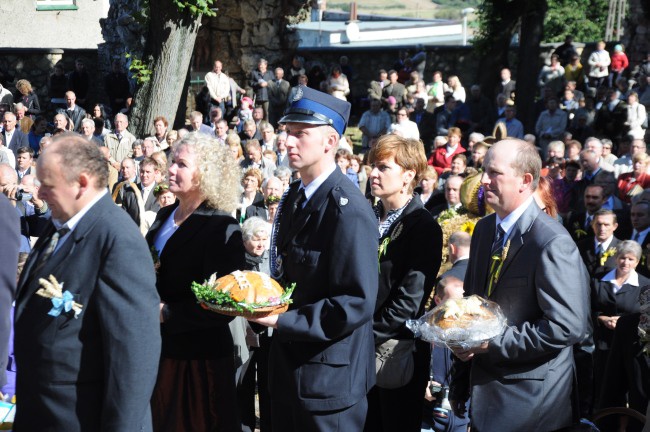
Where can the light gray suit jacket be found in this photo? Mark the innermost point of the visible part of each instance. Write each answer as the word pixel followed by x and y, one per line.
pixel 524 382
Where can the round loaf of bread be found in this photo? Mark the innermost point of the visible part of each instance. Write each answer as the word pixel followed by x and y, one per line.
pixel 249 287
pixel 461 313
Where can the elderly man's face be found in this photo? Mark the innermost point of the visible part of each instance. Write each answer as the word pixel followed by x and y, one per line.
pixel 9 122
pixel 121 124
pixel 217 67
pixel 60 121
pixel 589 162
pixel 148 148
pixel 281 143
pixel 87 129
pixel 249 130
pixel 254 153
pixel 273 187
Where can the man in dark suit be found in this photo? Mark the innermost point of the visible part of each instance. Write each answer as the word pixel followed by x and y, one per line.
pixel 597 252
pixel 271 187
pixel 579 223
pixel 640 219
pixel 136 205
pixel 322 360
pixel 10 234
pixel 98 372
pixel 542 288
pixel 74 111
pixel 426 125
pixel 452 196
pixel 395 89
pixel 278 93
pixel 459 243
pixel 14 138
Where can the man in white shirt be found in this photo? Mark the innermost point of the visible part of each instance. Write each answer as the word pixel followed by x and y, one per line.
pixel 221 131
pixel 405 127
pixel 596 145
pixel 514 127
pixel 551 124
pixel 218 85
pixel 624 163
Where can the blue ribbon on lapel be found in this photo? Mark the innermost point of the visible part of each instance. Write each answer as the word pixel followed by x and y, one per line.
pixel 61 304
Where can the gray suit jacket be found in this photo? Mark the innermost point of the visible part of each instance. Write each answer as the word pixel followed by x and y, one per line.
pixel 97 372
pixel 524 382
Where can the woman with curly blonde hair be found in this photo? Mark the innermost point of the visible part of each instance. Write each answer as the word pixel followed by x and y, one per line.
pixel 28 98
pixel 194 238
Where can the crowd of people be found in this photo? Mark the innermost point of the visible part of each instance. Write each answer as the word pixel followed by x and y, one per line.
pixel 263 178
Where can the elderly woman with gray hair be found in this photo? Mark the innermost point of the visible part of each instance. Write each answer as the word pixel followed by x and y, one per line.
pixel 192 239
pixel 616 294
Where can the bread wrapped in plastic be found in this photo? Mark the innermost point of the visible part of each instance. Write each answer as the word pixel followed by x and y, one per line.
pixel 460 323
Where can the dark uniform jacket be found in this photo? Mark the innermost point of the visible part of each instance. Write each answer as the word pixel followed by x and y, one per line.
pixel 322 356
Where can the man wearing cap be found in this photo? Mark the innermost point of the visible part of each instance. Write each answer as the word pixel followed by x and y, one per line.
pixel 325 241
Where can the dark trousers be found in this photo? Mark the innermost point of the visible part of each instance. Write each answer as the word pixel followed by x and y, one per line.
pixel 400 409
pixel 288 417
pixel 258 367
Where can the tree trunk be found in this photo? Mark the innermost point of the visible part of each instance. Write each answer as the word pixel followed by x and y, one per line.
pixel 495 54
pixel 532 31
pixel 168 51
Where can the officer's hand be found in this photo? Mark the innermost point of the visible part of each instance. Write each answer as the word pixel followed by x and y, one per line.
pixel 269 321
pixel 427 392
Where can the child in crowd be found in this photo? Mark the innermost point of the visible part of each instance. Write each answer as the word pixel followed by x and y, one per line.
pixel 245 112
pixel 344 160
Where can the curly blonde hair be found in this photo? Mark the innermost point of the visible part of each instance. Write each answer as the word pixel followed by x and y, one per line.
pixel 218 173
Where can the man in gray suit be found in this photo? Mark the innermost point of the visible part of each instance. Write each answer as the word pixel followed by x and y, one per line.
pixel 522 380
pixel 88 362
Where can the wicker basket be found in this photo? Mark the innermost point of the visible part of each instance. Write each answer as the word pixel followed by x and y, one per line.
pixel 257 313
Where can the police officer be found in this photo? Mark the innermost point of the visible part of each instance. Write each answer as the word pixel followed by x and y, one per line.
pixel 325 241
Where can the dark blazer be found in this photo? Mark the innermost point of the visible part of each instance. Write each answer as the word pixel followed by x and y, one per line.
pixel 458 270
pixel 426 127
pixel 257 209
pixel 208 242
pixel 628 368
pixel 407 271
pixel 76 115
pixel 397 90
pixel 322 355
pixel 101 368
pixel 10 235
pixel 261 93
pixel 278 94
pixel 543 291
pixel 592 261
pixel 605 302
pixel 18 140
pixel 130 202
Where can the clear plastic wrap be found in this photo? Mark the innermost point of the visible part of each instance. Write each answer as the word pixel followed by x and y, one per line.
pixel 460 323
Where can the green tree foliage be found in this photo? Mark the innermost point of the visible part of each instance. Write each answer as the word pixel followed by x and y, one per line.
pixel 584 19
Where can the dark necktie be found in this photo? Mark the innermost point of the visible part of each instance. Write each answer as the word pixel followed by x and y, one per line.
pixel 495 258
pixel 50 246
pixel 119 136
pixel 297 205
pixel 497 246
pixel 636 237
pixel 599 249
pixel 588 221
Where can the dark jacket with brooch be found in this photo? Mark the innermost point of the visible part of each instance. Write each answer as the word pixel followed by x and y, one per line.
pixel 605 302
pixel 407 271
pixel 587 250
pixel 209 241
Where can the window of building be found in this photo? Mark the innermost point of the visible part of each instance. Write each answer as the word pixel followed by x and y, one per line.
pixel 50 5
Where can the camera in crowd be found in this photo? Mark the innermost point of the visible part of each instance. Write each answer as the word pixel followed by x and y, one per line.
pixel 21 195
pixel 442 406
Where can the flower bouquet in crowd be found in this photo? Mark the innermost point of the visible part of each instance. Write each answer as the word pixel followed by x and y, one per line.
pixel 460 323
pixel 243 293
pixel 7 412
